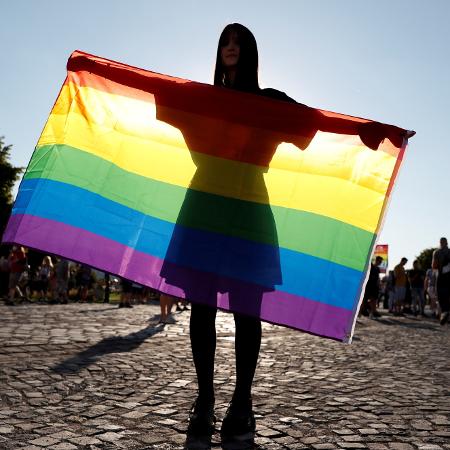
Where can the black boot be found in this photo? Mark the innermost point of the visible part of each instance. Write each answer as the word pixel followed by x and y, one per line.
pixel 239 421
pixel 201 418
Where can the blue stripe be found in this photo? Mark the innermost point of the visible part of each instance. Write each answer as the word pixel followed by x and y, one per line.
pixel 302 275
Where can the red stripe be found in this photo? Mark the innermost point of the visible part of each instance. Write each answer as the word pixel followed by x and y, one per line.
pixel 289 120
pixel 196 98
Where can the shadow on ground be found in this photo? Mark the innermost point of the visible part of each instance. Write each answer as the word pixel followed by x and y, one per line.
pixel 113 344
pixel 417 325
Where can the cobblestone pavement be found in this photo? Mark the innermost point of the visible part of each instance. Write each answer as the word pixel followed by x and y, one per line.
pixel 95 377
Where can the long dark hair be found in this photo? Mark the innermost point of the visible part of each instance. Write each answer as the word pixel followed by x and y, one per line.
pixel 247 66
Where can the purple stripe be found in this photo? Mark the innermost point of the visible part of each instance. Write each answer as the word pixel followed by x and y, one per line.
pixel 80 245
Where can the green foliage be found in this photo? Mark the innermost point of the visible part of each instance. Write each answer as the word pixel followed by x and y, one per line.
pixel 8 176
pixel 425 258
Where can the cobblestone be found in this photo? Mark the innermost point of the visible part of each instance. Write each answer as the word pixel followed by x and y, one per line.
pixel 91 376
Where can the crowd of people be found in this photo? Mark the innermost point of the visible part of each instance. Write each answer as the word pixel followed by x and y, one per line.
pixel 410 291
pixel 57 280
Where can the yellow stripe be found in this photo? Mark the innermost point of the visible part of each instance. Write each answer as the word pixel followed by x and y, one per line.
pixel 334 177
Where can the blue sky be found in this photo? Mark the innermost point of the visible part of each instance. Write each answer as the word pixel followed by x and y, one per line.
pixel 386 60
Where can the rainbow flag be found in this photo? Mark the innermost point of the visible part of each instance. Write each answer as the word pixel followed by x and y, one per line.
pixel 235 200
pixel 382 250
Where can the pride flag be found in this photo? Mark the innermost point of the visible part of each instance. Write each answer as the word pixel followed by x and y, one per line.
pixel 234 200
pixel 382 250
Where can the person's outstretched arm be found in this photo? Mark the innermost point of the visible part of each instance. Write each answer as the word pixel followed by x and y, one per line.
pixel 371 133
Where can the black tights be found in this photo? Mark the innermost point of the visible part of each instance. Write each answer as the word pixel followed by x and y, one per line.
pixel 203 342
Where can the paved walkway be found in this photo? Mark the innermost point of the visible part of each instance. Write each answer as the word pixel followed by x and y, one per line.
pixel 92 376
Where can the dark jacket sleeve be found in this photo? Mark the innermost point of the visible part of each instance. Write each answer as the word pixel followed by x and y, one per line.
pixel 308 132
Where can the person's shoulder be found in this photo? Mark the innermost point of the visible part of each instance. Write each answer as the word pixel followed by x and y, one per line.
pixel 278 95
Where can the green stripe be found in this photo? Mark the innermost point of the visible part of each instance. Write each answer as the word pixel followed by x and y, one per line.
pixel 300 231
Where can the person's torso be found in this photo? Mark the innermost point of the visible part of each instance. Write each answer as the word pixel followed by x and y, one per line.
pixel 400 276
pixel 44 272
pixel 374 276
pixel 62 270
pixel 431 278
pixel 442 257
pixel 416 278
pixel 18 262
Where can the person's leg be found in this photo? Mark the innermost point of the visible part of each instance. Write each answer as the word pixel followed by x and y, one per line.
pixel 84 293
pixel 400 293
pixel 373 306
pixel 169 304
pixel 45 290
pixel 402 301
pixel 122 299
pixel 203 344
pixel 18 286
pixel 421 302
pixel 163 298
pixel 247 346
pixel 127 299
pixel 166 302
pixel 432 297
pixel 414 301
pixel 391 301
pixel 239 420
pixel 12 288
pixel 396 300
pixel 443 294
pixel 364 310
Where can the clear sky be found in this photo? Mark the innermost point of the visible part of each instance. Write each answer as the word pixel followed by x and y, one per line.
pixel 387 60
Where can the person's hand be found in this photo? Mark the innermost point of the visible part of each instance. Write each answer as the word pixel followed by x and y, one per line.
pixel 373 133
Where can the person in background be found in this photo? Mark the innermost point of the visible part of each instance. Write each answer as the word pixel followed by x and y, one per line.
pixel 125 294
pixel 416 278
pixel 44 274
pixel 138 293
pixel 430 291
pixel 390 290
pixel 84 276
pixel 400 286
pixel 17 261
pixel 4 277
pixel 166 302
pixel 441 262
pixel 62 280
pixel 24 285
pixel 372 291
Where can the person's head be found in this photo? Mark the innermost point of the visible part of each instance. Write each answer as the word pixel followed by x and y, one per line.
pixel 47 261
pixel 443 242
pixel 237 53
pixel 416 264
pixel 378 260
pixel 403 261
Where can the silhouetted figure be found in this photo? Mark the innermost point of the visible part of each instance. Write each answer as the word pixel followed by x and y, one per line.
pixel 441 262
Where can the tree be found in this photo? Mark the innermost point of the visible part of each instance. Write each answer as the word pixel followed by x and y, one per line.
pixel 8 176
pixel 425 258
